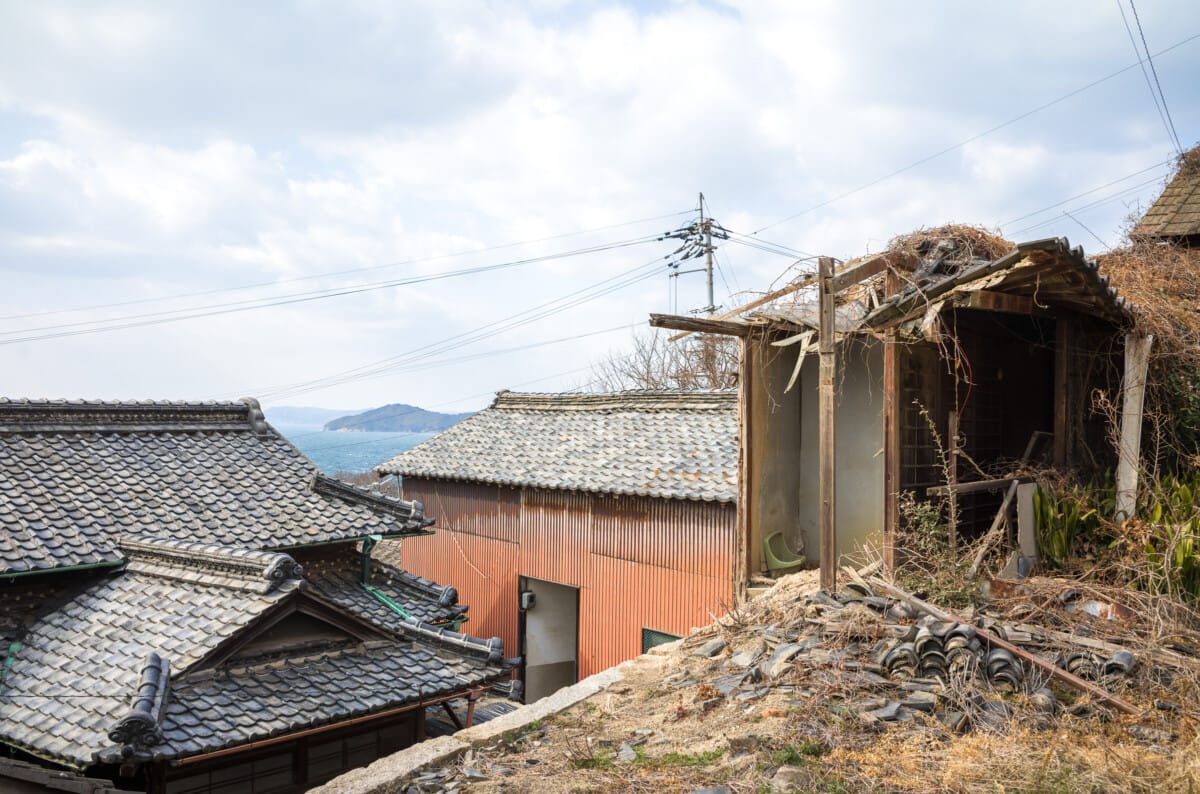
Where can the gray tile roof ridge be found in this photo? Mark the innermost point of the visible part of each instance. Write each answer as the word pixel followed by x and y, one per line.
pixel 407 510
pixel 629 400
pixel 110 416
pixel 232 567
pixel 445 595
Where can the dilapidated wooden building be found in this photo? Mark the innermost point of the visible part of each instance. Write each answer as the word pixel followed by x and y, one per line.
pixel 953 337
pixel 582 528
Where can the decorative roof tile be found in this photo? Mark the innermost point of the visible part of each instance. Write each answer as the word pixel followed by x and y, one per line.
pixel 667 444
pixel 74 476
pixel 83 662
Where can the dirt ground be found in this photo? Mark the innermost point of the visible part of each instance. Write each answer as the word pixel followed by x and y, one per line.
pixel 680 721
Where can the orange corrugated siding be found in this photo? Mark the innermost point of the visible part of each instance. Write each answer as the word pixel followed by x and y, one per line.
pixel 639 563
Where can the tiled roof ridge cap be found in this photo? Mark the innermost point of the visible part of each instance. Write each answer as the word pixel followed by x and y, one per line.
pixel 446 595
pixel 141 728
pixel 208 563
pixel 409 510
pixel 26 415
pixel 634 399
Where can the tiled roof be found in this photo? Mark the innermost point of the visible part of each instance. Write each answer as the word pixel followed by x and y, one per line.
pixel 72 679
pixel 279 697
pixel 119 668
pixel 75 475
pixel 337 579
pixel 670 444
pixel 1176 212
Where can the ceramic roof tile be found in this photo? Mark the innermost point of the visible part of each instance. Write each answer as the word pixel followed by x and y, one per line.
pixel 76 475
pixel 336 578
pixel 1176 212
pixel 80 663
pixel 669 444
pixel 254 703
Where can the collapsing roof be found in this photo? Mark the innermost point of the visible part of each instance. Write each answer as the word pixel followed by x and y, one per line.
pixel 667 444
pixel 1033 275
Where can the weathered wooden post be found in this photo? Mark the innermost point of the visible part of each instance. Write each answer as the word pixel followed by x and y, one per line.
pixel 827 400
pixel 1133 388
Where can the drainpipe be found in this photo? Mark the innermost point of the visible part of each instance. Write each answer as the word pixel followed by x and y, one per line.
pixel 367 545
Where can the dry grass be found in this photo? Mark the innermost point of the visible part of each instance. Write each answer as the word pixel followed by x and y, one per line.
pixel 969 242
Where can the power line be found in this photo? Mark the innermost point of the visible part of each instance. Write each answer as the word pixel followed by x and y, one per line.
pixel 546 309
pixel 1085 193
pixel 971 139
pixel 157 318
pixel 1091 205
pixel 1087 229
pixel 369 268
pixel 475 356
pixel 1146 75
pixel 1153 71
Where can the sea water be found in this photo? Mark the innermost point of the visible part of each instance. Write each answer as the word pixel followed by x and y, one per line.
pixel 350 452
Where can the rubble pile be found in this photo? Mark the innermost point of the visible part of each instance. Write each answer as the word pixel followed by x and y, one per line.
pixel 845 692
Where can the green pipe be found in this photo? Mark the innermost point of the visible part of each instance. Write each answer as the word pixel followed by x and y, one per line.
pixel 368 544
pixel 7 577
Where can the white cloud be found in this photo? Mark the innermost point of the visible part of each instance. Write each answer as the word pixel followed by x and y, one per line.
pixel 184 148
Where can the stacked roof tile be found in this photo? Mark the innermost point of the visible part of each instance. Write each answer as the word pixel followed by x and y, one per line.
pixel 667 444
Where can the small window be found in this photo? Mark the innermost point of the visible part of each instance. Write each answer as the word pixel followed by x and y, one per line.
pixel 650 638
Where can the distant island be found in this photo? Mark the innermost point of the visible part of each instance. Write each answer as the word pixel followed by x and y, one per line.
pixel 396 418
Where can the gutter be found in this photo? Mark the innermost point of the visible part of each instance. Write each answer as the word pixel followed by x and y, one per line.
pixel 8 577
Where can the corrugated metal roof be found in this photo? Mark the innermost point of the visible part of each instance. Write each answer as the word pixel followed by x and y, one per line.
pixel 668 444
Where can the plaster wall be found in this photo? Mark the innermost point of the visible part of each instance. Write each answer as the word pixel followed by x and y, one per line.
pixel 859 430
pixel 774 453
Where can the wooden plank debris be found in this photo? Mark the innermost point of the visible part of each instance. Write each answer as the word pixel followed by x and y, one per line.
pixel 996 530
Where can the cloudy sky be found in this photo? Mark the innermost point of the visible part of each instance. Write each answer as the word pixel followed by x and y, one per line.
pixel 351 204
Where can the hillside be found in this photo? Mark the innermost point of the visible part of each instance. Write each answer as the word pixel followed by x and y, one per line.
pixel 396 418
pixel 800 691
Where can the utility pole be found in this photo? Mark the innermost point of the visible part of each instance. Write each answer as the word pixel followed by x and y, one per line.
pixel 706 229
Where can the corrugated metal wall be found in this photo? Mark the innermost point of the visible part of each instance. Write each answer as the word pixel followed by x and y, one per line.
pixel 660 564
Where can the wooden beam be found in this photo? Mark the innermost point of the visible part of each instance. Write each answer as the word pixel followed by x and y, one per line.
pixel 847 278
pixel 952 479
pixel 1062 384
pixel 744 557
pixel 891 450
pixel 827 439
pixel 993 641
pixel 871 266
pixel 991 301
pixel 1133 390
pixel 978 486
pixel 795 286
pixel 702 325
